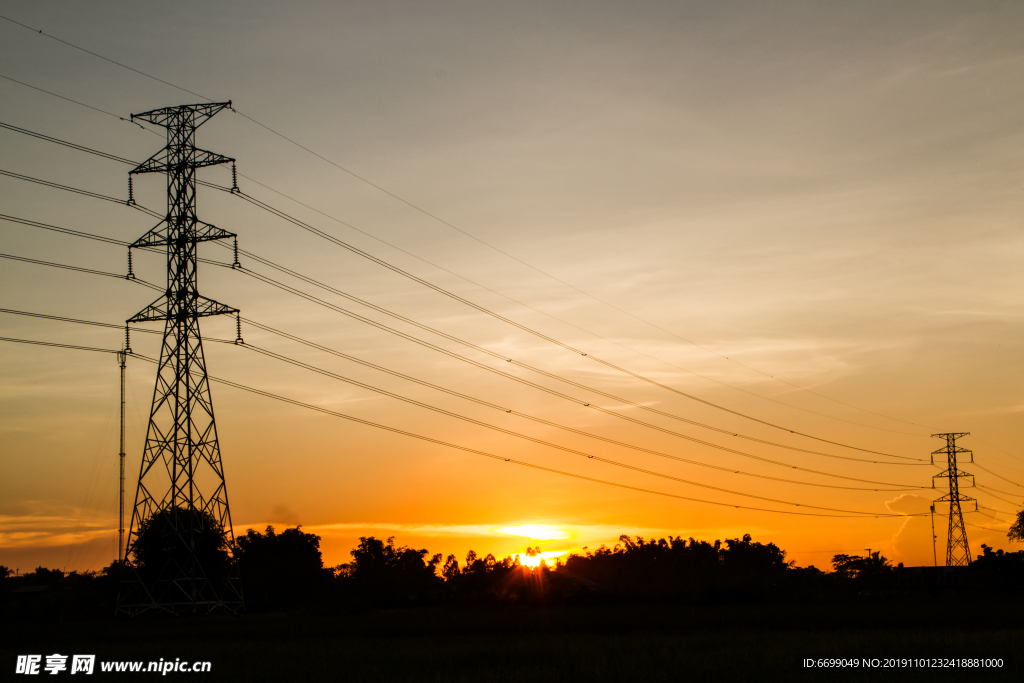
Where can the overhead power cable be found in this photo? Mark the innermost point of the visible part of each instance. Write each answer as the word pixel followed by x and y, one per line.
pixel 82 270
pixel 416 340
pixel 286 335
pixel 562 320
pixel 66 231
pixel 276 212
pixel 995 448
pixel 81 104
pixel 983 468
pixel 988 492
pixel 479 348
pixel 549 423
pixel 444 222
pixel 77 321
pixel 76 190
pixel 1005 493
pixel 542 442
pixel 498 316
pixel 98 238
pixel 58 186
pixel 848 513
pixel 549 444
pixel 113 157
pixel 61 346
pixel 65 143
pixel 96 54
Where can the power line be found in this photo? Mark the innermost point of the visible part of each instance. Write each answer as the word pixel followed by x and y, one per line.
pixel 360 252
pixel 452 354
pixel 98 238
pixel 980 467
pixel 510 432
pixel 852 513
pixel 486 425
pixel 474 346
pixel 903 487
pixel 81 322
pixel 87 193
pixel 533 418
pixel 81 270
pixel 65 143
pixel 988 492
pixel 465 279
pixel 1005 493
pixel 101 273
pixel 95 54
pixel 1016 457
pixel 68 99
pixel 267 394
pixel 66 231
pixel 563 282
pixel 479 240
pixel 482 309
pixel 54 344
pixel 566 322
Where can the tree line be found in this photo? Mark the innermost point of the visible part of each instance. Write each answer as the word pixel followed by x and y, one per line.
pixel 285 570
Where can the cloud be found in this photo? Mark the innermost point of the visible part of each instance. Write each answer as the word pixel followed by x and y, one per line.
pixel 908 504
pixel 26 531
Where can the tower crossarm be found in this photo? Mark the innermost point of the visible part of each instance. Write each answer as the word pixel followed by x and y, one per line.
pixel 948 498
pixel 161 309
pixel 169 116
pixel 958 474
pixel 161 234
pixel 943 451
pixel 169 160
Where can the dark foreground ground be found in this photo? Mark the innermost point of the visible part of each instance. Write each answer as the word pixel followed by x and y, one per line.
pixel 753 642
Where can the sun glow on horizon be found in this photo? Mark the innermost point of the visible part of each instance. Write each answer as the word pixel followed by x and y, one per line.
pixel 538 532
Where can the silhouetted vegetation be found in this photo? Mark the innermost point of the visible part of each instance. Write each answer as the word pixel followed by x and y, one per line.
pixel 285 571
pixel 170 537
pixel 1016 532
pixel 281 570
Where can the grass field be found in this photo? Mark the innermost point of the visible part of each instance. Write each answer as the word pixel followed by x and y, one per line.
pixel 588 643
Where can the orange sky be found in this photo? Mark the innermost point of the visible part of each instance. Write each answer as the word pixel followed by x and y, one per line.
pixel 817 212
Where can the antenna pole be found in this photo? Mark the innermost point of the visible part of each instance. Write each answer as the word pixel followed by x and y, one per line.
pixel 935 552
pixel 121 361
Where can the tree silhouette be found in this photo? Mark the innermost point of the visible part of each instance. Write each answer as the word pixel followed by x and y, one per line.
pixel 451 568
pixel 172 537
pixel 382 573
pixel 1016 532
pixel 280 568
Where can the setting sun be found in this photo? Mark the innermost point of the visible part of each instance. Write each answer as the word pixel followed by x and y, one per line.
pixel 533 561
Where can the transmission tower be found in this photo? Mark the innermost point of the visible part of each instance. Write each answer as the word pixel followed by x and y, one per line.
pixel 958 553
pixel 181 502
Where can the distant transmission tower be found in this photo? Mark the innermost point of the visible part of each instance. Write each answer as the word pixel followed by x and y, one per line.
pixel 181 501
pixel 958 553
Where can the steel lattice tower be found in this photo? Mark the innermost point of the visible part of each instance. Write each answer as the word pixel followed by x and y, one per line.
pixel 182 477
pixel 958 553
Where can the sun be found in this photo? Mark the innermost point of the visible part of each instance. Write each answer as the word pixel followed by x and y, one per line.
pixel 533 561
pixel 538 532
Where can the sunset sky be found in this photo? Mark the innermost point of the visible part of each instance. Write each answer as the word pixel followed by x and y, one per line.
pixel 806 213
